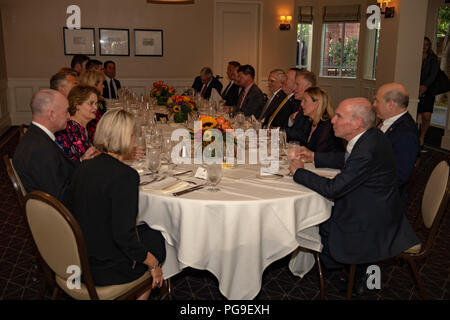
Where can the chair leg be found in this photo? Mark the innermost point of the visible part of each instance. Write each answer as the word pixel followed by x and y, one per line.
pixel 417 278
pixel 166 290
pixel 351 281
pixel 56 293
pixel 321 279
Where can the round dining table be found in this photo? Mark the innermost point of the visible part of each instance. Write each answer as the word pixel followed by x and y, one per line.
pixel 236 232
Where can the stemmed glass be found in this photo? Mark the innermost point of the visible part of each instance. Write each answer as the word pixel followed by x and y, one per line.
pixel 154 160
pixel 214 175
pixel 166 153
pixel 283 142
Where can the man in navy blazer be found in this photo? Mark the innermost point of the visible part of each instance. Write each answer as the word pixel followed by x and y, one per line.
pixel 111 84
pixel 397 124
pixel 230 93
pixel 367 223
pixel 40 163
pixel 205 82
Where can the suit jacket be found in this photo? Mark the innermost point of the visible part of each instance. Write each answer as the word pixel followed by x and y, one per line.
pixel 253 102
pixel 42 165
pixel 323 139
pixel 198 85
pixel 282 117
pixel 106 88
pixel 368 223
pixel 231 95
pixel 300 129
pixel 404 138
pixel 279 97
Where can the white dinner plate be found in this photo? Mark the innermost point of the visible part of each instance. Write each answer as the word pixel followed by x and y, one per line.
pixel 269 177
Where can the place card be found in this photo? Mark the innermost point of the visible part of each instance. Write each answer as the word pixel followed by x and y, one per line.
pixel 201 173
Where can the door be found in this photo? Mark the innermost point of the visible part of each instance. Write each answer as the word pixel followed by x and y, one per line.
pixel 236 35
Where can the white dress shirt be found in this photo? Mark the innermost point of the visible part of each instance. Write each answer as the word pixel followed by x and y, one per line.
pixel 389 121
pixel 48 132
pixel 353 141
pixel 108 82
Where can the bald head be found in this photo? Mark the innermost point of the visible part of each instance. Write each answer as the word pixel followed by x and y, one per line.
pixel 391 99
pixel 49 108
pixel 353 116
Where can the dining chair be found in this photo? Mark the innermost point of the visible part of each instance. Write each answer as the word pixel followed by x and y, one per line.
pixel 23 128
pixel 433 207
pixel 21 194
pixel 60 242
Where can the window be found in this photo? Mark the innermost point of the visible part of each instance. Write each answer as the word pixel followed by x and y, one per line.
pixel 370 61
pixel 339 50
pixel 304 45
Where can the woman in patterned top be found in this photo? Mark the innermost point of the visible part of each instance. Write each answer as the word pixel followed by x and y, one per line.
pixel 74 139
pixel 94 79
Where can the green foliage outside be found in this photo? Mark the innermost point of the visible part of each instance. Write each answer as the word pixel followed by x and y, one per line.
pixel 350 58
pixel 443 21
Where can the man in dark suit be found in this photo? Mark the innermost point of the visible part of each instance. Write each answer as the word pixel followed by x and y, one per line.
pixel 64 82
pixel 276 81
pixel 251 99
pixel 206 82
pixel 397 124
pixel 230 93
pixel 279 116
pixel 367 223
pixel 111 84
pixel 298 124
pixel 39 161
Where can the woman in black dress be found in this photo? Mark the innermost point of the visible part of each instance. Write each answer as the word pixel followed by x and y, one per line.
pixel 316 106
pixel 429 71
pixel 105 197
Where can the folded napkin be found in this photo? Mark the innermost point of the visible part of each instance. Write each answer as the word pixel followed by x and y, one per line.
pixel 168 189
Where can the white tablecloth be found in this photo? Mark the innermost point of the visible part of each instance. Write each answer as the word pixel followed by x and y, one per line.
pixel 237 232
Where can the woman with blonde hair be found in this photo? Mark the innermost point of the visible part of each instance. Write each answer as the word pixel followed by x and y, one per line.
pixel 105 198
pixel 316 105
pixel 94 79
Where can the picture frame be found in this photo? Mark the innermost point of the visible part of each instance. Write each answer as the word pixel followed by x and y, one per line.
pixel 148 42
pixel 114 42
pixel 79 41
pixel 171 1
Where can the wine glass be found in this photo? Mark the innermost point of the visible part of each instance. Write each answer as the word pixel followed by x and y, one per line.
pixel 293 151
pixel 214 174
pixel 154 160
pixel 240 119
pixel 283 142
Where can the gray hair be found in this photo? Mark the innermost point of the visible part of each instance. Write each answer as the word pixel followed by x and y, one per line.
pixel 401 99
pixel 206 71
pixel 279 74
pixel 59 80
pixel 42 100
pixel 362 109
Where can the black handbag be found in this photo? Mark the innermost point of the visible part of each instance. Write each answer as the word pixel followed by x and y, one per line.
pixel 440 85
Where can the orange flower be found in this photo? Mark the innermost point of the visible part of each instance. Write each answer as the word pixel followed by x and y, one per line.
pixel 179 99
pixel 202 116
pixel 220 120
pixel 186 98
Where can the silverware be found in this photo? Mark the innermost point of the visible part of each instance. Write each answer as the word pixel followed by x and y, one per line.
pixel 179 193
pixel 156 179
pixel 181 173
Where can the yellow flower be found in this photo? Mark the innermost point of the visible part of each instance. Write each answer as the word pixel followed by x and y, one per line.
pixel 186 98
pixel 208 123
pixel 176 109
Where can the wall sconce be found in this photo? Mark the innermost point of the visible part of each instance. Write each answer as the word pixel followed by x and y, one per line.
pixel 387 11
pixel 285 22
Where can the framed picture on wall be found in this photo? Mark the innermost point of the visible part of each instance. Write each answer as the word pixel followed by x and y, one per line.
pixel 148 42
pixel 114 42
pixel 79 41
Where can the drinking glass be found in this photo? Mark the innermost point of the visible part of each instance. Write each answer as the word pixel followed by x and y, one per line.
pixel 240 119
pixel 214 174
pixel 293 149
pixel 283 142
pixel 139 151
pixel 153 160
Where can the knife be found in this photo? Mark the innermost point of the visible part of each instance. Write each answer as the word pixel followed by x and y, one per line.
pixel 179 193
pixel 181 173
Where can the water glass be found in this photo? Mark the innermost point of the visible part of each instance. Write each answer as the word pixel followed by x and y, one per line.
pixel 240 119
pixel 214 175
pixel 153 160
pixel 139 151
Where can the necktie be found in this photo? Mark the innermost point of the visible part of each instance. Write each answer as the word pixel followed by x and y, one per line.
pixel 276 111
pixel 241 99
pixel 346 155
pixel 113 92
pixel 204 90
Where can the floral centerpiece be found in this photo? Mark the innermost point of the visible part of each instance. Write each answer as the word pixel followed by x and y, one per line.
pixel 161 92
pixel 181 107
pixel 206 135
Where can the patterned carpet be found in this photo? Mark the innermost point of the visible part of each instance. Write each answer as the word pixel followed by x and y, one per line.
pixel 20 280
